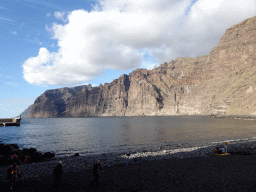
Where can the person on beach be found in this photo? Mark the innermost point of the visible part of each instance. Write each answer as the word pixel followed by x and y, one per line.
pixel 95 170
pixel 57 172
pixel 12 173
pixel 218 151
pixel 222 149
pixel 26 158
pixel 127 160
pixel 14 158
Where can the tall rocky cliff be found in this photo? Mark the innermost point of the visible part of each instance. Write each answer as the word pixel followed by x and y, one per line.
pixel 222 83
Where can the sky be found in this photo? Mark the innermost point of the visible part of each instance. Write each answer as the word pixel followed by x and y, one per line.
pixel 49 44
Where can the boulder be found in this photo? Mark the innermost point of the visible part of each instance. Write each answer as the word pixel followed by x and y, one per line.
pixel 7 150
pixel 36 157
pixel 32 150
pixel 25 150
pixel 3 160
pixel 48 155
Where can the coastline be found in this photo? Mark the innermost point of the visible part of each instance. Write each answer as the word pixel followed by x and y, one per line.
pixel 243 117
pixel 79 169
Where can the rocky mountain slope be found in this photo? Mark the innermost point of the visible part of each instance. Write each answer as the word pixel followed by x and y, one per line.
pixel 221 83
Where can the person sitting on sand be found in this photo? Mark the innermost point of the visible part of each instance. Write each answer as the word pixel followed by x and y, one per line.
pixel 223 150
pixel 218 151
pixel 95 170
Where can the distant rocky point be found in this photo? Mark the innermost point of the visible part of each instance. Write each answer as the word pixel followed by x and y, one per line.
pixel 222 83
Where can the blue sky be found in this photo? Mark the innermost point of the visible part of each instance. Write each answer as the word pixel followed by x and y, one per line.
pixel 63 43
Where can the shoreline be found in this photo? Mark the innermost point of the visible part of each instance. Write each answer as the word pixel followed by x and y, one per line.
pixel 206 150
pixel 196 170
pixel 111 159
pixel 245 117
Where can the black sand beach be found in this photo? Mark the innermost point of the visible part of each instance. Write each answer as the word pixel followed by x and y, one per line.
pixel 201 173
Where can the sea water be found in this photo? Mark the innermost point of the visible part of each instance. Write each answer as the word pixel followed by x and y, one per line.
pixel 99 135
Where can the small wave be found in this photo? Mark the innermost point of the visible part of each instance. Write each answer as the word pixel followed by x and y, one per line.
pixel 236 140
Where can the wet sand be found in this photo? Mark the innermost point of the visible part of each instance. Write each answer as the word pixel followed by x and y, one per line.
pixel 211 173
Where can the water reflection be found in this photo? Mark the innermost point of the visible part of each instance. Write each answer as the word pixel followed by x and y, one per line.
pixel 115 134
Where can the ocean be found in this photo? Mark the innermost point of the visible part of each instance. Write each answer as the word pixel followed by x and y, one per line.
pixel 99 135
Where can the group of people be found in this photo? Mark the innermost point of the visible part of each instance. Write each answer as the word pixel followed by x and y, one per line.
pixel 14 158
pixel 57 172
pixel 13 171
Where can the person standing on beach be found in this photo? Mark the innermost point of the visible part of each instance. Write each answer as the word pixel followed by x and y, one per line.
pixel 95 170
pixel 57 172
pixel 12 173
pixel 127 160
pixel 14 158
pixel 26 158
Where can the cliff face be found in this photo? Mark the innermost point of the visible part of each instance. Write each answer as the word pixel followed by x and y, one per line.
pixel 27 112
pixel 222 83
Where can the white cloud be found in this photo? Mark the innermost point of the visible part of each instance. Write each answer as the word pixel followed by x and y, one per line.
pixel 14 32
pixel 6 19
pixel 52 45
pixel 60 15
pixel 57 69
pixel 153 66
pixel 48 14
pixel 114 33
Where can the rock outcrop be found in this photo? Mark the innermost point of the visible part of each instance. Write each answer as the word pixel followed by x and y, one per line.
pixel 222 83
pixel 10 149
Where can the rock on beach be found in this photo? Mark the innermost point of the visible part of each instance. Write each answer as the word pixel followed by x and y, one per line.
pixel 7 150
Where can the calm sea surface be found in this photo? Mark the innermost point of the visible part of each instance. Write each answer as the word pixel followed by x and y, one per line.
pixel 66 136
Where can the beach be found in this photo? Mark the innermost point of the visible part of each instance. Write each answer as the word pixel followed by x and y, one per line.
pixel 196 170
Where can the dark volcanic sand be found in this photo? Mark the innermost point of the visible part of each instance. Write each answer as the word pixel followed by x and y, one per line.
pixel 212 173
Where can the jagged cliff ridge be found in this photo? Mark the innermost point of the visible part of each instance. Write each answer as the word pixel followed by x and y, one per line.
pixel 222 83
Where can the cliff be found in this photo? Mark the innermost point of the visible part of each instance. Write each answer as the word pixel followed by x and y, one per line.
pixel 221 83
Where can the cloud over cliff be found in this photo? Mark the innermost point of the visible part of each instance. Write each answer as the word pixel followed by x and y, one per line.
pixel 118 34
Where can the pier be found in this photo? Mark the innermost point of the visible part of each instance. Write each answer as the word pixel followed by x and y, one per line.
pixel 10 121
